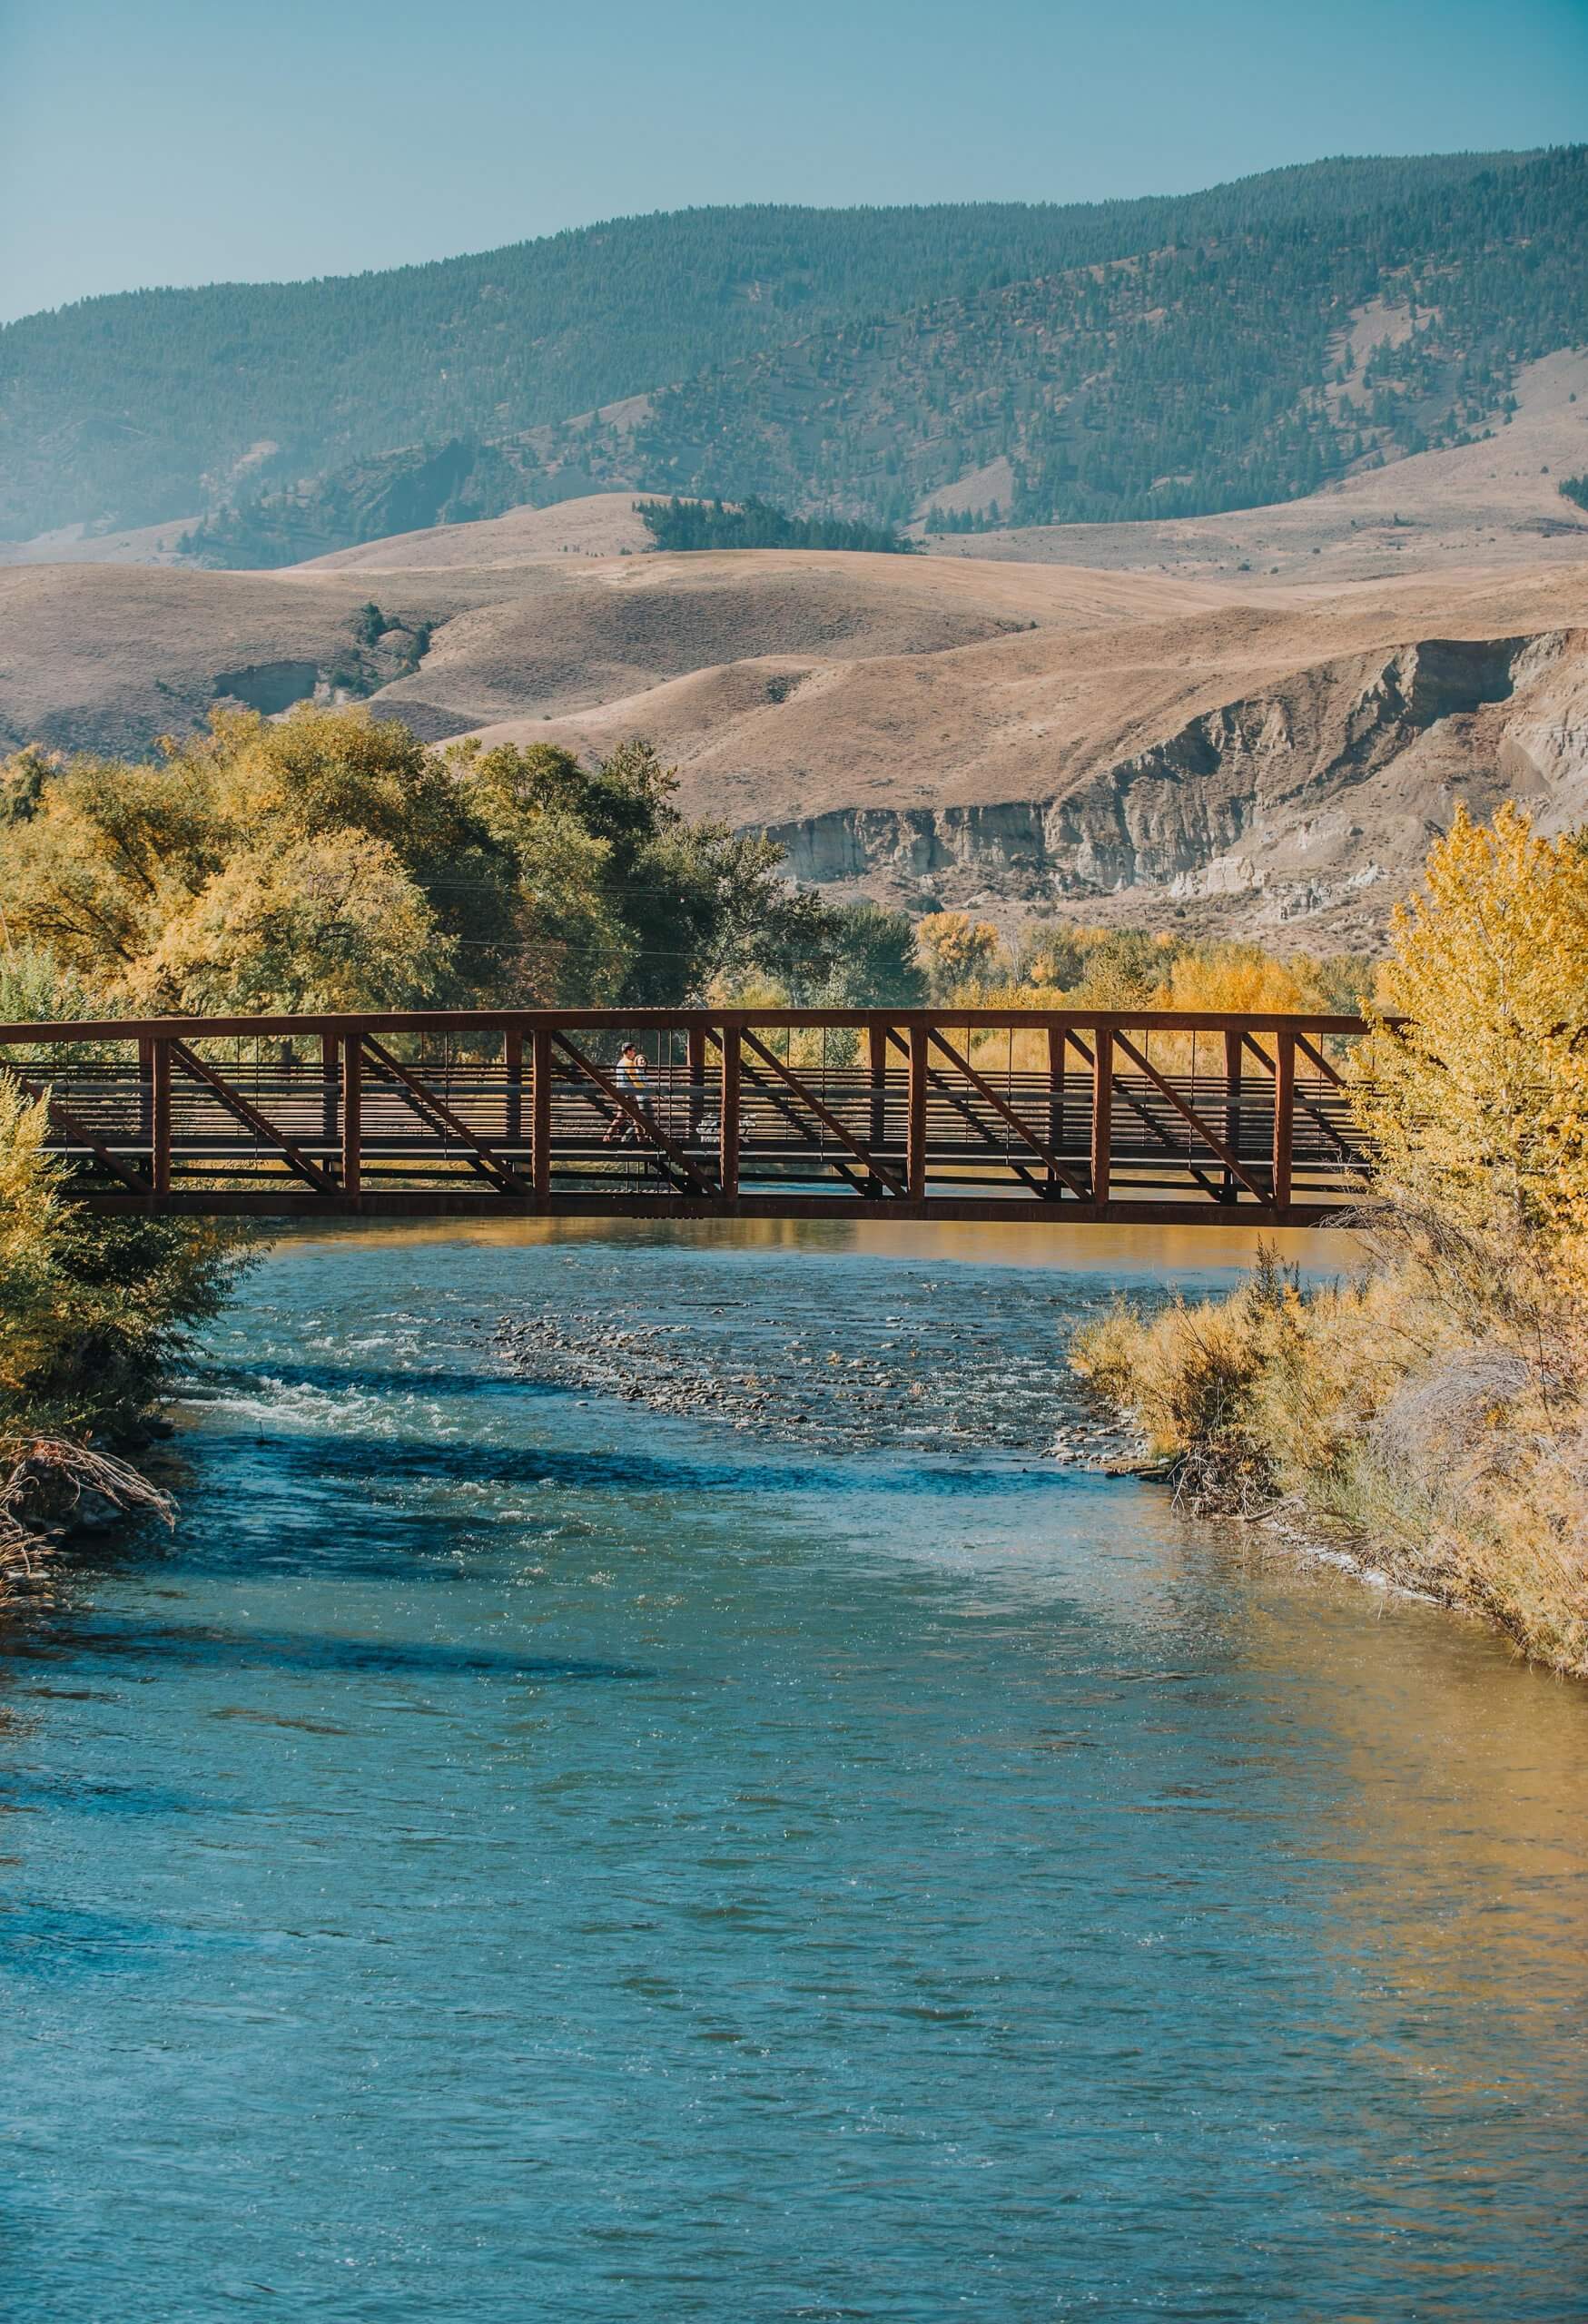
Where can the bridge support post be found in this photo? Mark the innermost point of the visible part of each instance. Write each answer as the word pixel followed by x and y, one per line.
pixel 1102 1112
pixel 159 1117
pixel 352 1057
pixel 696 1039
pixel 728 1116
pixel 915 1131
pixel 1284 1116
pixel 329 1081
pixel 877 1063
pixel 145 1088
pixel 1058 1052
pixel 540 1116
pixel 1233 1053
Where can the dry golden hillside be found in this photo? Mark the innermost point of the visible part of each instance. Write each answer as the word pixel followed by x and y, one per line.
pixel 1234 750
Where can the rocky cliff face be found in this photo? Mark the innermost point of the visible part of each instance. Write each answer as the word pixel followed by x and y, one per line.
pixel 1298 797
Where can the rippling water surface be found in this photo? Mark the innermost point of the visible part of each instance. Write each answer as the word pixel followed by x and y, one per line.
pixel 516 1853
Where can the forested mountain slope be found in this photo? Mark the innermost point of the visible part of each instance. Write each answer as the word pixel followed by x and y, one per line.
pixel 1128 358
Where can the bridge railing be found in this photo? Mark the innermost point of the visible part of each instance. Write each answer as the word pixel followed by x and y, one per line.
pixel 1081 1113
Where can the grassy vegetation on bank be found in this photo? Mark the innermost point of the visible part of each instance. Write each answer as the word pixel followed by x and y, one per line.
pixel 93 1313
pixel 1433 1409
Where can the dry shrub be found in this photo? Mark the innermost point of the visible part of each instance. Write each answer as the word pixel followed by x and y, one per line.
pixel 1457 1460
pixel 51 1484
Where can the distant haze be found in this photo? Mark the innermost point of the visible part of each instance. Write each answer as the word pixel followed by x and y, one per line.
pixel 180 143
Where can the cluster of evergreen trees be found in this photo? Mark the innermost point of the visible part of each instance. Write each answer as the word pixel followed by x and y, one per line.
pixel 964 520
pixel 151 405
pixel 755 524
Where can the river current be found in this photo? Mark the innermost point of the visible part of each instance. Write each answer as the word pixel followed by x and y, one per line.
pixel 517 1852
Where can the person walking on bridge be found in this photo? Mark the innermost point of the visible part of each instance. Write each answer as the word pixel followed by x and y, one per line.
pixel 630 1078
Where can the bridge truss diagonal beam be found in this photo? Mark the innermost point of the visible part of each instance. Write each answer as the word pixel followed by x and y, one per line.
pixel 249 1115
pixel 807 1096
pixel 433 1110
pixel 1006 1113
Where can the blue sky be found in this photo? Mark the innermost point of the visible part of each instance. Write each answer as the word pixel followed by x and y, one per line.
pixel 189 141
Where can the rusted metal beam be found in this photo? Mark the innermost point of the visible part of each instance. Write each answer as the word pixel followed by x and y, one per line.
pixel 513 1071
pixel 1232 1064
pixel 1102 1113
pixel 1107 1085
pixel 1350 1152
pixel 1318 1058
pixel 1231 1160
pixel 1284 1116
pixel 541 1114
pixel 476 1201
pixel 1007 1113
pixel 876 1042
pixel 339 1024
pixel 728 1115
pixel 695 1040
pixel 915 1119
pixel 159 1117
pixel 830 1121
pixel 972 1119
pixel 241 1110
pixel 352 1079
pixel 796 1121
pixel 425 1103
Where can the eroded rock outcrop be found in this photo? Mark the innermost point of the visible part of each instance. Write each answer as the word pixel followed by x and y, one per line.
pixel 1310 791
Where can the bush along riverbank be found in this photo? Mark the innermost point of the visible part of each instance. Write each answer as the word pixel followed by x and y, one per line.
pixel 1430 1413
pixel 93 1313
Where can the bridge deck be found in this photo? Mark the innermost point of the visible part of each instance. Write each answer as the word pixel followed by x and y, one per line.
pixel 1078 1117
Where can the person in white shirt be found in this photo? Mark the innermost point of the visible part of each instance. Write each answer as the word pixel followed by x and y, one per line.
pixel 630 1078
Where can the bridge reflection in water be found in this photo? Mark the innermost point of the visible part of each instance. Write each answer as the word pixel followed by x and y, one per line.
pixel 1154 1115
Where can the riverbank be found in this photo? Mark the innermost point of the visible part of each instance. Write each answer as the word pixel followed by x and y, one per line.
pixel 1419 1420
pixel 1436 1406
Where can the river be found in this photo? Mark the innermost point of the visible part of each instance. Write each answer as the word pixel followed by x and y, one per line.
pixel 517 1853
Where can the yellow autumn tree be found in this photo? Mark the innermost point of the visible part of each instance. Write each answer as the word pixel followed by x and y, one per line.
pixel 1473 1084
pixel 332 924
pixel 1435 1407
pixel 954 949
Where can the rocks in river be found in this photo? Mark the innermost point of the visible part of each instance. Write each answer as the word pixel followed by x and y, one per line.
pixel 922 1379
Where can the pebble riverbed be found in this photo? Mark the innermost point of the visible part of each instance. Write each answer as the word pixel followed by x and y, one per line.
pixel 763 1347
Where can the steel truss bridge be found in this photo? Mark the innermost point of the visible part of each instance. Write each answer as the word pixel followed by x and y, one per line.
pixel 1151 1116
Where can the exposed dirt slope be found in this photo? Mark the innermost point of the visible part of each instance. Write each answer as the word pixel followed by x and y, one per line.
pixel 1246 763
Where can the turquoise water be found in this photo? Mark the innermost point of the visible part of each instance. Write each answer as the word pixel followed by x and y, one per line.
pixel 516 1854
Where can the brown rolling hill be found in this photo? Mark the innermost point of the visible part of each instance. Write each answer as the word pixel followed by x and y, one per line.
pixel 1236 750
pixel 601 524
